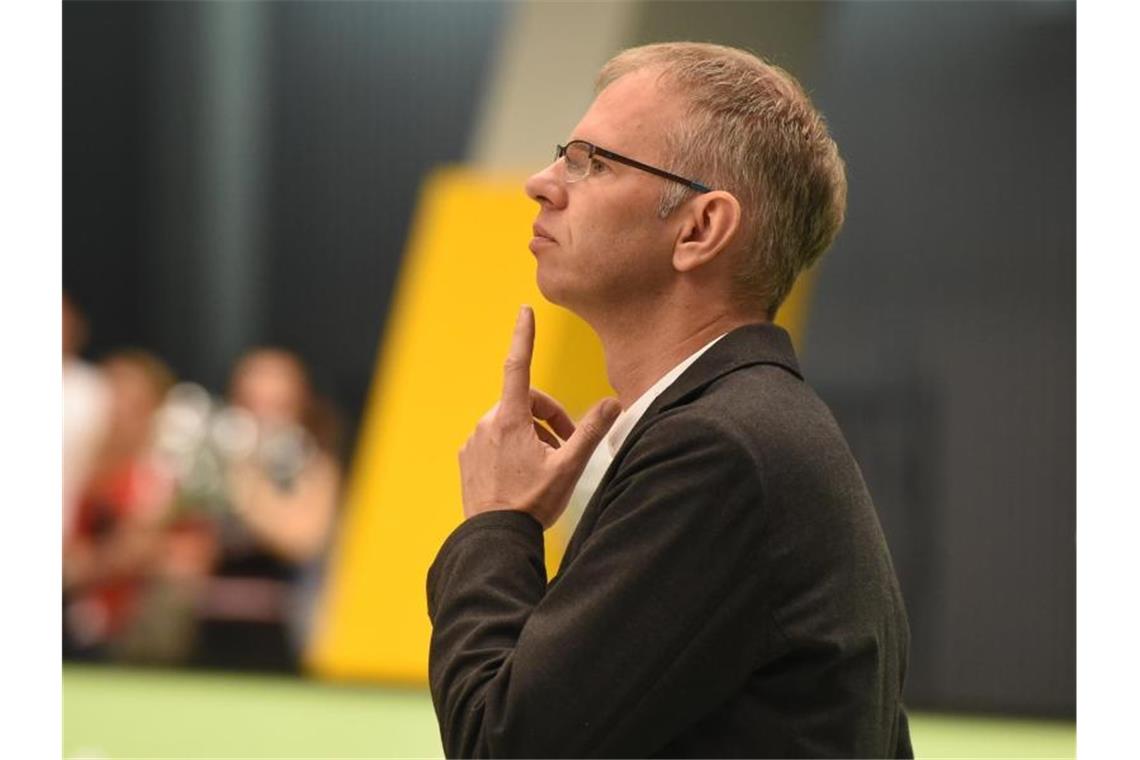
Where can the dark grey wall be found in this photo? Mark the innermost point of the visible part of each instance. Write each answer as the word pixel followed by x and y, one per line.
pixel 943 329
pixel 102 189
pixel 241 173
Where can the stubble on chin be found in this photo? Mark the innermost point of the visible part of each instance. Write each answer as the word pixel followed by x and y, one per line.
pixel 546 286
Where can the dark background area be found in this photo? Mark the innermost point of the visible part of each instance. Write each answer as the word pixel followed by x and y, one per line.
pixel 943 331
pixel 942 326
pixel 351 108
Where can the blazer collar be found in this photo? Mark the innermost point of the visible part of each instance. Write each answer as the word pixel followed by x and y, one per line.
pixel 748 345
pixel 761 343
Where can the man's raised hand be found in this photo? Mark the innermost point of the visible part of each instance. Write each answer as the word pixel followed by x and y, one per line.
pixel 512 461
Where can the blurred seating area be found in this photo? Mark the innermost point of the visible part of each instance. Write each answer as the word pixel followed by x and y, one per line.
pixel 195 524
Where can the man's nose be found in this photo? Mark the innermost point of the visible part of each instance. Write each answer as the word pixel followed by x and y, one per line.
pixel 546 187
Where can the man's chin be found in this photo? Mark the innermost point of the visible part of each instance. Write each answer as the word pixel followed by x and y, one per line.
pixel 566 292
pixel 558 295
pixel 550 290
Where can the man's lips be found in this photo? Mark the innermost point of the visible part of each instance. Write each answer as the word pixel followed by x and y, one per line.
pixel 540 232
pixel 541 239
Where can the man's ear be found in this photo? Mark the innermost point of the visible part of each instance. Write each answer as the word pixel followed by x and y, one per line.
pixel 709 224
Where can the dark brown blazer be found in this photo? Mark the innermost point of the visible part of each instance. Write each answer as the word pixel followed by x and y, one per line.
pixel 727 592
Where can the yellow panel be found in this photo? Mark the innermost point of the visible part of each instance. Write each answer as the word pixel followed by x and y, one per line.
pixel 793 313
pixel 466 271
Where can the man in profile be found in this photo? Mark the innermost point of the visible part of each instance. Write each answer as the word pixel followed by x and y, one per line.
pixel 727 591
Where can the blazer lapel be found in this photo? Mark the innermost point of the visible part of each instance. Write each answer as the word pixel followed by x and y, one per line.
pixel 746 346
pixel 762 343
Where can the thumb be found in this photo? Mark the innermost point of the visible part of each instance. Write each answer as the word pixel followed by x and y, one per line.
pixel 591 429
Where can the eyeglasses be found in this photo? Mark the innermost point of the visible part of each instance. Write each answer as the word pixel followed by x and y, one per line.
pixel 580 154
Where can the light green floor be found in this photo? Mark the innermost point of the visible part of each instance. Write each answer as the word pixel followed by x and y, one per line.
pixel 117 713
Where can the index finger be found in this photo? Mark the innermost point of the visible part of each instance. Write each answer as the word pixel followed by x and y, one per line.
pixel 516 369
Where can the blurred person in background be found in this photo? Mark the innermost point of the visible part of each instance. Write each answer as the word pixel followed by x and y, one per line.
pixel 85 409
pixel 282 485
pixel 115 537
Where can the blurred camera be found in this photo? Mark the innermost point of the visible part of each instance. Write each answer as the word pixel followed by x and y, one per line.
pixel 201 438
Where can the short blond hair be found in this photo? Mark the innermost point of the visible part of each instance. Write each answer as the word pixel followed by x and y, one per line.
pixel 749 129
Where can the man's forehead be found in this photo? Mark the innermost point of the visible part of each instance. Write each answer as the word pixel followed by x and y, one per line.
pixel 630 113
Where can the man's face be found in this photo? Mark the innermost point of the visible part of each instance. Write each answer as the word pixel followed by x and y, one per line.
pixel 598 241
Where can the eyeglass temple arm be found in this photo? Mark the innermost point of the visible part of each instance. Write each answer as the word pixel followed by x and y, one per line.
pixel 691 184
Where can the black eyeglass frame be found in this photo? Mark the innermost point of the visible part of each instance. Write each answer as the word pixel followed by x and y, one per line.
pixel 692 184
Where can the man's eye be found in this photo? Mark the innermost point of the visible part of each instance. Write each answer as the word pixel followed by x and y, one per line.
pixel 597 166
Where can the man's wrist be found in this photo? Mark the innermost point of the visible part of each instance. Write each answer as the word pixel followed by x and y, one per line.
pixel 502 537
pixel 509 518
pixel 491 509
pixel 514 525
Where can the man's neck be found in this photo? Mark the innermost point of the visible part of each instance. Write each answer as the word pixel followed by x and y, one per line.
pixel 641 349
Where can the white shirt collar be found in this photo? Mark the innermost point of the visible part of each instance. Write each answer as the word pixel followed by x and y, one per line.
pixel 629 417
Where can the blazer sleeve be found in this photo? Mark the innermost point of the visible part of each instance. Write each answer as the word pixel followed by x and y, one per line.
pixel 651 626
